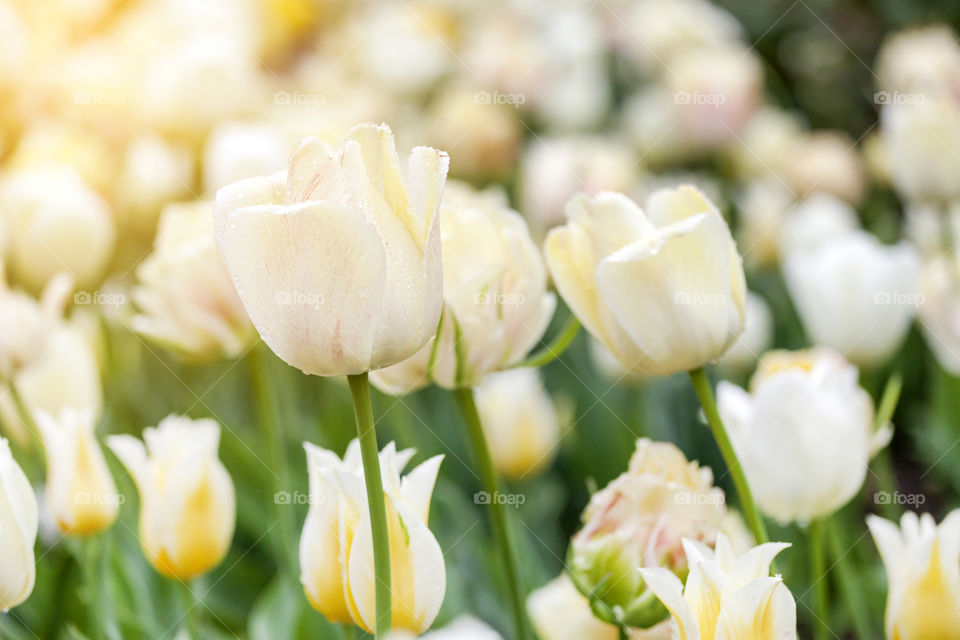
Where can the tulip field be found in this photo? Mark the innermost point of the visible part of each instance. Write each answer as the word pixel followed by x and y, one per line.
pixel 505 320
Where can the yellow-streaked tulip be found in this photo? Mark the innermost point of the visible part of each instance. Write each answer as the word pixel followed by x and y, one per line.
pixel 805 410
pixel 663 290
pixel 187 502
pixel 520 420
pixel 922 560
pixel 338 261
pixel 336 547
pixel 727 596
pixel 496 303
pixel 80 491
pixel 185 295
pixel 19 520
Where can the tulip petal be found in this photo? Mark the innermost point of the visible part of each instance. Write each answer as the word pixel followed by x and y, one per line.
pixel 764 609
pixel 297 270
pixel 417 486
pixel 668 588
pixel 250 192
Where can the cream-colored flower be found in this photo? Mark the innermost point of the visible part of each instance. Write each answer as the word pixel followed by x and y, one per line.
pixel 336 547
pixel 940 309
pixel 58 223
pixel 855 294
pixel 663 289
pixel 824 161
pixel 639 520
pixel 560 612
pixel 187 502
pixel 921 136
pixel 727 596
pixel 186 299
pixel 26 324
pixel 497 306
pixel 80 492
pixel 922 560
pixel 338 261
pixel 153 172
pixel 916 61
pixel 804 411
pixel 520 420
pixel 18 531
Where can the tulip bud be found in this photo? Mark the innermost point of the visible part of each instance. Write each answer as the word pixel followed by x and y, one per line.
pixel 663 290
pixel 58 223
pixel 365 288
pixel 187 503
pixel 80 491
pixel 922 560
pixel 336 548
pixel 639 520
pixel 726 595
pixel 18 531
pixel 865 313
pixel 520 421
pixel 805 411
pixel 497 306
pixel 186 298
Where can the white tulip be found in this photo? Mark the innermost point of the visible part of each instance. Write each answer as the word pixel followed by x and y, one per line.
pixel 153 171
pixel 922 560
pixel 813 221
pixel 805 411
pixel 520 421
pixel 187 502
pixel 663 290
pixel 19 520
pixel 184 293
pixel 236 150
pixel 497 306
pixel 921 137
pixel 727 596
pixel 827 161
pixel 80 492
pixel 338 261
pixel 26 324
pixel 58 223
pixel 855 294
pixel 560 612
pixel 756 338
pixel 918 60
pixel 940 310
pixel 336 548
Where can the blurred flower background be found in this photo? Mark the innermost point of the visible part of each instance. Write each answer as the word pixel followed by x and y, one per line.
pixel 827 136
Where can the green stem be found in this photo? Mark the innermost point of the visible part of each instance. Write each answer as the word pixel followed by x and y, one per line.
pixel 276 452
pixel 818 577
pixel 90 553
pixel 189 601
pixel 556 347
pixel 701 384
pixel 849 581
pixel 888 400
pixel 498 515
pixel 360 389
pixel 349 632
pixel 25 416
pixel 622 632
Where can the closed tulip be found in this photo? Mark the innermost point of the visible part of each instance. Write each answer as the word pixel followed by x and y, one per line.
pixel 663 290
pixel 80 491
pixel 805 410
pixel 497 306
pixel 18 531
pixel 855 294
pixel 187 502
pixel 186 299
pixel 336 547
pixel 337 262
pixel 922 560
pixel 727 595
